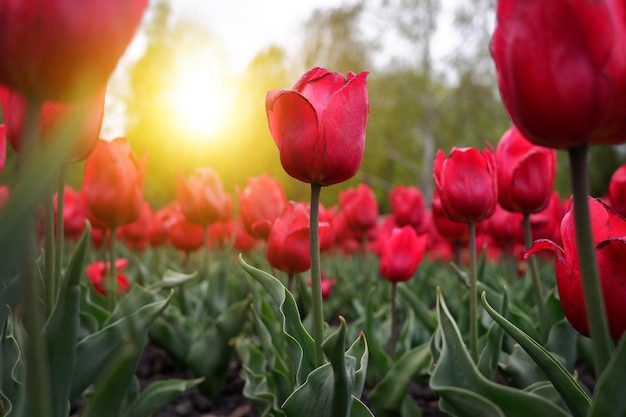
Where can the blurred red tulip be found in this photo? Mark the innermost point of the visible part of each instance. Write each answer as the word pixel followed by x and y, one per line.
pixel 113 184
pixel 401 251
pixel 5 194
pixel 407 206
pixel 96 272
pixel 137 234
pixel 609 236
pixel 360 207
pixel 466 184
pixel 184 235
pixel 161 221
pixel 202 197
pixel 86 114
pixel 61 49
pixel 288 243
pixel 319 125
pixel 3 146
pixel 617 190
pixel 73 213
pixel 451 230
pixel 260 203
pixel 525 173
pixel 561 68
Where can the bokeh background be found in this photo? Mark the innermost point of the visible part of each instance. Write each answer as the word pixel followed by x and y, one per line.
pixel 190 90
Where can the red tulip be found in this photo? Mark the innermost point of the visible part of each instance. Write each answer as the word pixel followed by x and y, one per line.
pixel 3 146
pixel 137 233
pixel 407 206
pixel 617 190
pixel 360 207
pixel 449 229
pixel 113 184
pixel 202 197
pixel 231 233
pixel 288 242
pixel 506 227
pixel 561 68
pixel 184 235
pixel 609 236
pixel 466 183
pixel 260 203
pixel 96 271
pixel 525 173
pixel 62 49
pixel 161 221
pixel 73 213
pixel 82 118
pixel 319 125
pixel 401 251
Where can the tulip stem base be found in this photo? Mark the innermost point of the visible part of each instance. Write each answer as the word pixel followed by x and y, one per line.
pixel 49 253
pixel 111 288
pixel 393 339
pixel 601 343
pixel 473 335
pixel 316 275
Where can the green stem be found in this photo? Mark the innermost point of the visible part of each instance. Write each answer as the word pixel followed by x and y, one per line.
pixel 49 253
pixel 601 343
pixel 37 371
pixel 534 276
pixel 112 276
pixel 473 336
pixel 290 281
pixel 316 275
pixel 60 240
pixel 393 340
pixel 205 244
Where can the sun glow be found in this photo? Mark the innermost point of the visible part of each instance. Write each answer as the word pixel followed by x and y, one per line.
pixel 200 97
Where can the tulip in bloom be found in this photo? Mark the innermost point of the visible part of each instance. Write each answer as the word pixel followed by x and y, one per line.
pixel 184 235
pixel 260 203
pixel 62 49
pixel 319 125
pixel 360 208
pixel 73 212
pixel 561 68
pixel 113 184
pixel 407 206
pixel 202 197
pixel 401 252
pixel 448 229
pixel 86 114
pixel 617 190
pixel 137 233
pixel 96 272
pixel 288 242
pixel 609 236
pixel 525 173
pixel 466 183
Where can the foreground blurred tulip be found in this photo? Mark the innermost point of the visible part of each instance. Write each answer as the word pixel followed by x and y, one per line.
pixel 609 239
pixel 113 184
pixel 202 198
pixel 96 272
pixel 525 173
pixel 401 251
pixel 288 242
pixel 561 69
pixel 73 213
pixel 63 50
pixel 466 183
pixel 360 208
pixel 55 116
pixel 407 206
pixel 260 203
pixel 319 125
pixel 617 190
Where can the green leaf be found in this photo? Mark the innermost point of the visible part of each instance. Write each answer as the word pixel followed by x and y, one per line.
pixel 301 344
pixel 488 360
pixel 10 366
pixel 609 400
pixel 97 350
pixel 423 314
pixel 465 392
pixel 341 393
pixel 158 394
pixel 389 394
pixel 572 393
pixel 172 279
pixel 61 330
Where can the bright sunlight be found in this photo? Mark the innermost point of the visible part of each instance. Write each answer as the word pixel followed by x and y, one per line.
pixel 200 96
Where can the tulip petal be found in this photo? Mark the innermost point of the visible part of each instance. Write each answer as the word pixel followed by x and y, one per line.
pixel 611 256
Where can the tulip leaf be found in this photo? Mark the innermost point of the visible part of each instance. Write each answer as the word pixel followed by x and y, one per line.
pixel 388 395
pixel 96 351
pixel 301 344
pixel 423 314
pixel 10 367
pixel 572 393
pixel 172 279
pixel 609 400
pixel 464 391
pixel 61 330
pixel 489 356
pixel 158 394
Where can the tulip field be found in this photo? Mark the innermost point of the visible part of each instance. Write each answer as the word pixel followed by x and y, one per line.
pixel 494 296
